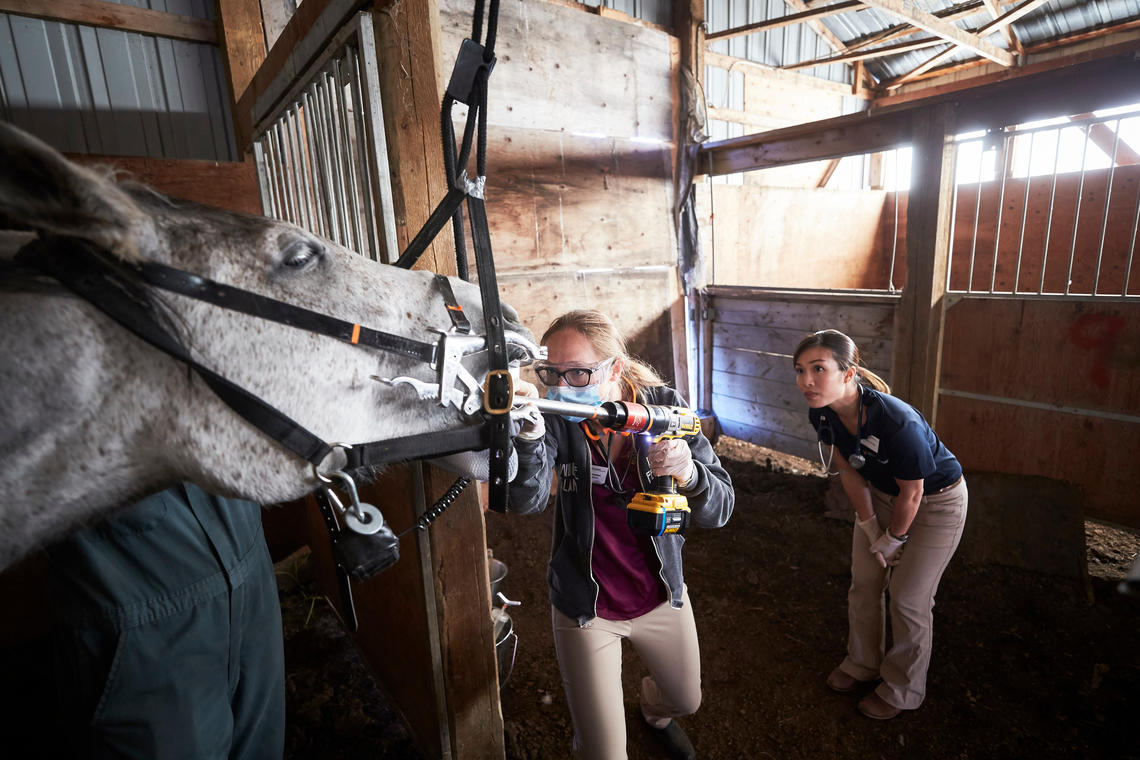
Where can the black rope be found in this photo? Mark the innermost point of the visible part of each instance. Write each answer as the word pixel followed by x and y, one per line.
pixel 440 506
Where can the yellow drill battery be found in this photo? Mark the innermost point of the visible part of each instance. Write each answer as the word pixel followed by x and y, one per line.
pixel 656 514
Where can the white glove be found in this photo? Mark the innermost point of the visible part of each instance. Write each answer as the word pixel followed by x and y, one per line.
pixel 889 547
pixel 873 532
pixel 673 457
pixel 532 427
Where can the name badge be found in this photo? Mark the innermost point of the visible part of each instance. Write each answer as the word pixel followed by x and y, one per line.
pixel 598 474
pixel 871 442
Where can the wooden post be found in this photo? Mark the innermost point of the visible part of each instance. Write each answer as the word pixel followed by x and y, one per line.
pixel 242 39
pixel 454 553
pixel 919 322
pixel 688 53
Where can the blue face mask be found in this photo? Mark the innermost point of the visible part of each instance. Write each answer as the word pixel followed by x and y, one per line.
pixel 590 395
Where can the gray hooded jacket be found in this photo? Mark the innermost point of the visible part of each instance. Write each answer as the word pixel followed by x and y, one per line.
pixel 573 590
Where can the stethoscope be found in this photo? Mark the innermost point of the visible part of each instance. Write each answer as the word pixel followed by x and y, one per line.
pixel 856 460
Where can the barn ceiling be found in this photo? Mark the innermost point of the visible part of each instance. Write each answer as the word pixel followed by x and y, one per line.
pixel 902 41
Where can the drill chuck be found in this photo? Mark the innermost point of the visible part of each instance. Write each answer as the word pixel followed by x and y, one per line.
pixel 656 420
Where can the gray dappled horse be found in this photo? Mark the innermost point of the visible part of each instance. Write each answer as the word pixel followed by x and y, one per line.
pixel 92 417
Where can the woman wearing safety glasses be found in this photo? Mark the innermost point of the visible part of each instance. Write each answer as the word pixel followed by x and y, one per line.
pixel 607 582
pixel 910 508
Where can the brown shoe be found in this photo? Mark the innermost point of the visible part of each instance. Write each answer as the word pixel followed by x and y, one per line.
pixel 873 706
pixel 841 682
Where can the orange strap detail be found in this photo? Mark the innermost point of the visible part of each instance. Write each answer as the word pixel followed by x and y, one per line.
pixel 355 334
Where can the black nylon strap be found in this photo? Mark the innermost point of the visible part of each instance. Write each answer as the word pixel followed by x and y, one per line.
pixel 92 275
pixel 459 320
pixel 498 391
pixel 443 212
pixel 257 305
pixel 421 446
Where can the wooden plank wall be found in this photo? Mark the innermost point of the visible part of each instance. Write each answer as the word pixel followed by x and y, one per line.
pixel 579 164
pixel 835 242
pixel 1062 387
pixel 755 397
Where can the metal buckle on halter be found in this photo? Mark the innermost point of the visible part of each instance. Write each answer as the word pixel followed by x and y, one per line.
pixel 508 401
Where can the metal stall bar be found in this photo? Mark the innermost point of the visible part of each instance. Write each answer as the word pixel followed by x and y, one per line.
pixel 1005 156
pixel 1024 211
pixel 1077 212
pixel 1107 201
pixel 1131 245
pixel 977 214
pixel 1049 221
pixel 323 157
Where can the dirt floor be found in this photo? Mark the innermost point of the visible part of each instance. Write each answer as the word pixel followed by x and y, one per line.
pixel 1025 665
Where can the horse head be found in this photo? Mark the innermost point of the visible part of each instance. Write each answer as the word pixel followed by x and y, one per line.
pixel 93 417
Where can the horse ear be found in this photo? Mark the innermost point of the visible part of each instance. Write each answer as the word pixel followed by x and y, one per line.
pixel 41 190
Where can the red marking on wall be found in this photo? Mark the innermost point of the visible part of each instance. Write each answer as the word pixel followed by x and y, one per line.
pixel 1097 333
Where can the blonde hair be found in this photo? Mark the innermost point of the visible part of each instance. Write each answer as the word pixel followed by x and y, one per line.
pixel 846 355
pixel 604 337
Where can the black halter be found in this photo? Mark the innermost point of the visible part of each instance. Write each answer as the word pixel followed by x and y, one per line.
pixel 93 274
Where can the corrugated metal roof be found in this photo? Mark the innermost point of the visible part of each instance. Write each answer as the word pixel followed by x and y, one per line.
pixel 105 91
pixel 1054 20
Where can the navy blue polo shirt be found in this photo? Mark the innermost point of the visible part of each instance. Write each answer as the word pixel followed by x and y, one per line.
pixel 897 442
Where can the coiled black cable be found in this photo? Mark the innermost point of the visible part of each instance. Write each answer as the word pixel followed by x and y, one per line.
pixel 440 506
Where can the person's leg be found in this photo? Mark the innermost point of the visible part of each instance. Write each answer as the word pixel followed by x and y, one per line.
pixel 258 700
pixel 934 536
pixel 590 662
pixel 666 641
pixel 163 693
pixel 865 610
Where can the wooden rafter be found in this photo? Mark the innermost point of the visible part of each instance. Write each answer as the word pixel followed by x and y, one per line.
pixel 817 25
pixel 1011 40
pixel 1115 147
pixel 1001 22
pixel 905 9
pixel 788 20
pixel 115 16
pixel 898 31
pixel 862 55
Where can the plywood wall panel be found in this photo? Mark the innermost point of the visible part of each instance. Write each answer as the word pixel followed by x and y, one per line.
pixel 560 70
pixel 638 302
pixel 559 201
pixel 1099 455
pixel 1066 353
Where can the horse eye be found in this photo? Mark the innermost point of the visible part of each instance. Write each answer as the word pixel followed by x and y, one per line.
pixel 302 255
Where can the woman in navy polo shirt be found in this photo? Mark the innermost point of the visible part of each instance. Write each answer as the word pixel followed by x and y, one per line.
pixel 910 507
pixel 608 584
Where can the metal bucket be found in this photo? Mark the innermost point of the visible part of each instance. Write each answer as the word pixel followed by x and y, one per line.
pixel 506 645
pixel 498 571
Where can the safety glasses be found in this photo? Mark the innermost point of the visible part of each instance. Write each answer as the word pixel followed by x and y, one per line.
pixel 575 377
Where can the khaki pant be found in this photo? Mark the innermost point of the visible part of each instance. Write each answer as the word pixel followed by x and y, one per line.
pixel 590 660
pixel 911 586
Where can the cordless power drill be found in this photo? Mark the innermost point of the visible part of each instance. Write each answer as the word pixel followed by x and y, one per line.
pixel 660 510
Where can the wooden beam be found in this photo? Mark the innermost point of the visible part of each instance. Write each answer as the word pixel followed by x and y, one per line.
pixel 814 141
pixel 1011 40
pixel 243 51
pixel 817 26
pixel 1085 85
pixel 1117 149
pixel 864 54
pixel 1041 68
pixel 1001 22
pixel 898 31
pixel 829 172
pixel 920 319
pixel 905 9
pixel 729 62
pixel 114 16
pixel 781 21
